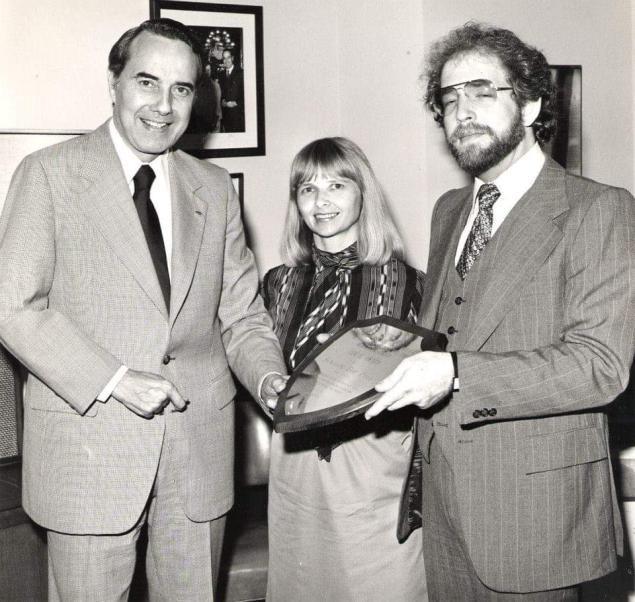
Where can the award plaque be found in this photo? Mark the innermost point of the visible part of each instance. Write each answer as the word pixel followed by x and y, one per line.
pixel 336 380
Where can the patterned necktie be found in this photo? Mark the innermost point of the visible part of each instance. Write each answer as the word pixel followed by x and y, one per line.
pixel 151 227
pixel 481 230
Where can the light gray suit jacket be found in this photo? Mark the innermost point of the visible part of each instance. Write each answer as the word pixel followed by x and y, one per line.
pixel 79 297
pixel 545 331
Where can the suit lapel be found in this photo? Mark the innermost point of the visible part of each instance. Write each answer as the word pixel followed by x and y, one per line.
pixel 451 221
pixel 106 199
pixel 189 214
pixel 517 250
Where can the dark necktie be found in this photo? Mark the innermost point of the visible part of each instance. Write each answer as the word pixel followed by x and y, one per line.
pixel 481 230
pixel 151 227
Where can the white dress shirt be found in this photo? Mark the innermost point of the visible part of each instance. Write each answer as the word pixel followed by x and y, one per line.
pixel 161 199
pixel 513 183
pixel 160 190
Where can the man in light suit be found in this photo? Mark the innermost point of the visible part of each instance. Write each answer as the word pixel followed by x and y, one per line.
pixel 531 276
pixel 127 292
pixel 231 82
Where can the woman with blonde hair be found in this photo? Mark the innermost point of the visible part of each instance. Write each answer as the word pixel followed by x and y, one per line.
pixel 334 492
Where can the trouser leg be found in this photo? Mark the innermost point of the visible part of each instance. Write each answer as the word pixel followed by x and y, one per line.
pixel 183 556
pixel 91 567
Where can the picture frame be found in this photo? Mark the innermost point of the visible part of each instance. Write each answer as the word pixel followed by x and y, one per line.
pixel 238 180
pixel 565 147
pixel 228 118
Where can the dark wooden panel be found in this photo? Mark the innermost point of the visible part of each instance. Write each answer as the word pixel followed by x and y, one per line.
pixel 23 562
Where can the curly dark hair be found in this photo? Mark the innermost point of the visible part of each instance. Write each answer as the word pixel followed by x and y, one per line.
pixel 527 68
pixel 166 28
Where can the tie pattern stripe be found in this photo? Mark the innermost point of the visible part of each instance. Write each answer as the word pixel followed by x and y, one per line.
pixel 151 227
pixel 328 298
pixel 481 230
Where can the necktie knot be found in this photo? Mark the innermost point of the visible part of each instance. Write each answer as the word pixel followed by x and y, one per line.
pixel 143 178
pixel 487 195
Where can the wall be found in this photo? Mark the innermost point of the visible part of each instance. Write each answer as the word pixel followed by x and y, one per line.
pixel 597 35
pixel 59 82
pixel 380 56
pixel 333 68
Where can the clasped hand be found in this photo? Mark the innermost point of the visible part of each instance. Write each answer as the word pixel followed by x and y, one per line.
pixel 147 394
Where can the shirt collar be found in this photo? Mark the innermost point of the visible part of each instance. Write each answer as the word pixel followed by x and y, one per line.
pixel 129 161
pixel 519 177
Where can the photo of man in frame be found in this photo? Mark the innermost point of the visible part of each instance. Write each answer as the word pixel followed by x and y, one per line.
pixel 220 103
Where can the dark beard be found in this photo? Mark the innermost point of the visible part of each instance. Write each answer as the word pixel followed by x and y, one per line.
pixel 476 160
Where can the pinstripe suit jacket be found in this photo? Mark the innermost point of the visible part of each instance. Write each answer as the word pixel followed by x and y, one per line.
pixel 79 297
pixel 545 335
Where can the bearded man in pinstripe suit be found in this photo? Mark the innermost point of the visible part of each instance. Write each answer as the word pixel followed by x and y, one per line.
pixel 531 275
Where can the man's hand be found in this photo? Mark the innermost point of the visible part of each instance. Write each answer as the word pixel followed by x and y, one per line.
pixel 146 394
pixel 423 379
pixel 383 336
pixel 271 387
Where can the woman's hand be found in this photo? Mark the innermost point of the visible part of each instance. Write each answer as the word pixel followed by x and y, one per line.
pixel 383 336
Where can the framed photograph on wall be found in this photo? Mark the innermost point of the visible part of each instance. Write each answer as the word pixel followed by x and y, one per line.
pixel 237 181
pixel 566 146
pixel 228 119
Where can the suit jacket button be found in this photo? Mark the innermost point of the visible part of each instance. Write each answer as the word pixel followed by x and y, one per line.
pixel 166 359
pixel 492 412
pixel 451 330
pixel 459 300
pixel 476 413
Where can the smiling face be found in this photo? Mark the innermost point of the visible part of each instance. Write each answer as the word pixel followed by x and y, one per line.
pixel 154 93
pixel 330 207
pixel 484 140
pixel 228 59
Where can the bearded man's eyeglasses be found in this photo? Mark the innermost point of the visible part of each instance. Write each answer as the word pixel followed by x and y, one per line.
pixel 482 92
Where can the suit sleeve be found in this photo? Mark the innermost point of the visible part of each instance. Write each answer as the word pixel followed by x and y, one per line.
pixel 251 346
pixel 590 364
pixel 49 345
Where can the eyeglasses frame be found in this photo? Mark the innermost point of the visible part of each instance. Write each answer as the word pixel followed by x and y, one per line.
pixel 461 86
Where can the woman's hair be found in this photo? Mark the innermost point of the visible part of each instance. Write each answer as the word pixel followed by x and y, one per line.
pixel 379 239
pixel 526 67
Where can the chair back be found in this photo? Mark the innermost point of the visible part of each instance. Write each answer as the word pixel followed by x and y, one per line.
pixel 253 443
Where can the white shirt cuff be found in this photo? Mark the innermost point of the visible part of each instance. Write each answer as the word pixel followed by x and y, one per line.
pixel 106 392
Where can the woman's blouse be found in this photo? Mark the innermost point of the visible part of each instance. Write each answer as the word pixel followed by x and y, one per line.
pixel 333 291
